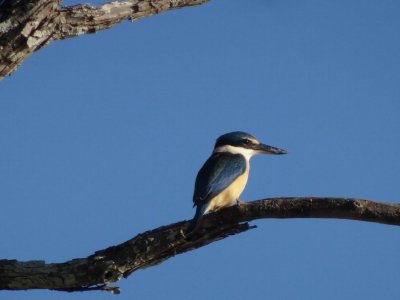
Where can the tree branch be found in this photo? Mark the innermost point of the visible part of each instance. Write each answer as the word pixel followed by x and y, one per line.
pixel 28 25
pixel 82 19
pixel 152 247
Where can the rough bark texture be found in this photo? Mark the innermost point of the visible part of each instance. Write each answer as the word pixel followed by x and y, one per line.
pixel 28 25
pixel 153 247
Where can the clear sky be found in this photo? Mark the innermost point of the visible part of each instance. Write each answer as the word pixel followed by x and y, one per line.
pixel 102 136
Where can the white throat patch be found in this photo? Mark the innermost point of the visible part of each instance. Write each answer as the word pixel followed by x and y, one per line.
pixel 247 153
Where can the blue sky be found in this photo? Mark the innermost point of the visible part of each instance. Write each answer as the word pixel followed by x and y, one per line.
pixel 102 136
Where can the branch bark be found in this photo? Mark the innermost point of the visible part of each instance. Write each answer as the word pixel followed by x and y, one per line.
pixel 28 25
pixel 152 247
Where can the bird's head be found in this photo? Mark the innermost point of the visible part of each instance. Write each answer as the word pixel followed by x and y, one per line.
pixel 244 143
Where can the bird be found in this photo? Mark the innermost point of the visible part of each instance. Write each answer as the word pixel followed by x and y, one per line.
pixel 223 177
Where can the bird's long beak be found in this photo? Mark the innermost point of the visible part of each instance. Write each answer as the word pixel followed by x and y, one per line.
pixel 266 149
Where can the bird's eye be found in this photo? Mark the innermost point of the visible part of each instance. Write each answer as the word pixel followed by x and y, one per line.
pixel 246 141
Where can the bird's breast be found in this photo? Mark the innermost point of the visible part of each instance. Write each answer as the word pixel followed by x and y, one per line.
pixel 229 196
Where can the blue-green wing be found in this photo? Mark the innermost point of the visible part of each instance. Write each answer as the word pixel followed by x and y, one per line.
pixel 218 172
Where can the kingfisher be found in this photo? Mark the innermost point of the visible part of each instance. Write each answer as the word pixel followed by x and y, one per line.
pixel 224 175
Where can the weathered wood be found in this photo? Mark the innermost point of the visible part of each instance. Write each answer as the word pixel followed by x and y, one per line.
pixel 153 247
pixel 28 25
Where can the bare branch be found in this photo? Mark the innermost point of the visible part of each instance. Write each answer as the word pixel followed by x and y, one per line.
pixel 28 25
pixel 81 19
pixel 153 247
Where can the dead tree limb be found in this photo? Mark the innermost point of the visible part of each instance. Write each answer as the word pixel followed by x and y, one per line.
pixel 28 25
pixel 152 247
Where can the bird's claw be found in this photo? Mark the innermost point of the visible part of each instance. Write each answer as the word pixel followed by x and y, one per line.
pixel 240 203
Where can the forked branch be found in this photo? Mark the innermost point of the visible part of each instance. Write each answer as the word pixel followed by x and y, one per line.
pixel 152 247
pixel 28 25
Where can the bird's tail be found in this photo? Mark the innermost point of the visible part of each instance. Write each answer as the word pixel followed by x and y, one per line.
pixel 196 219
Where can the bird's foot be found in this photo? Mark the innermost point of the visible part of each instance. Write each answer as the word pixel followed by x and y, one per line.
pixel 240 203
